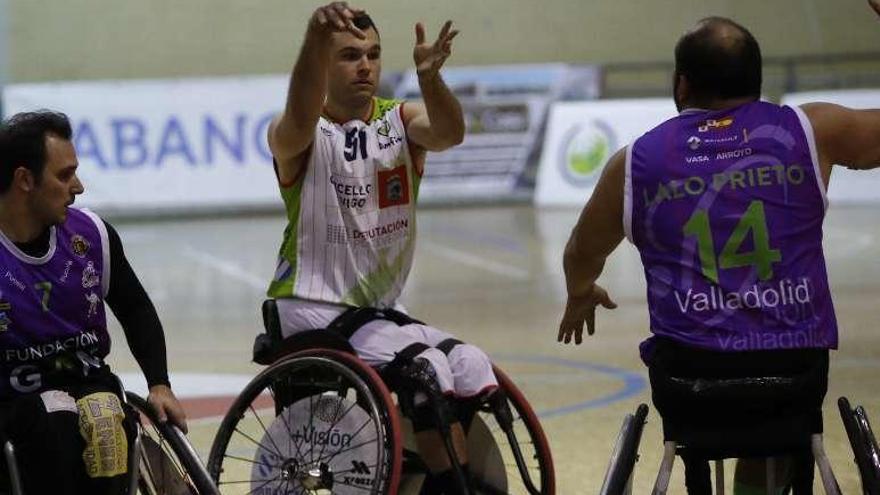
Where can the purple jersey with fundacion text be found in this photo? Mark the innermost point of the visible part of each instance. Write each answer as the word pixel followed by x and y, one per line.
pixel 726 209
pixel 53 303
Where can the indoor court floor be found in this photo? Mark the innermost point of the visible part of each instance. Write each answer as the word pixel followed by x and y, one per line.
pixel 493 276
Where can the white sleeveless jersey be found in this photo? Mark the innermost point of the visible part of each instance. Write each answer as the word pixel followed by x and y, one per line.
pixel 351 218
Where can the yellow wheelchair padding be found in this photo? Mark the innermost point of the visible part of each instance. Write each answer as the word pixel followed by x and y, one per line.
pixel 101 425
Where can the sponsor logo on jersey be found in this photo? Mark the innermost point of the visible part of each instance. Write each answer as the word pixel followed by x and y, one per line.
pixel 5 321
pixel 67 265
pixel 713 124
pixel 388 137
pixel 80 245
pixel 90 276
pixel 14 281
pixel 352 193
pixel 393 187
pixel 93 301
pixel 694 143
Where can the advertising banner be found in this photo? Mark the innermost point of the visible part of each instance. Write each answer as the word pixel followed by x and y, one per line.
pixel 582 136
pixel 153 146
pixel 846 186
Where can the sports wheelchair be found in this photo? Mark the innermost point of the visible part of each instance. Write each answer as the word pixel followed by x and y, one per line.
pixel 160 458
pixel 794 435
pixel 319 420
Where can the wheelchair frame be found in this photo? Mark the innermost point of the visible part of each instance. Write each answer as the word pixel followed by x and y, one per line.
pixel 619 475
pixel 200 480
pixel 270 349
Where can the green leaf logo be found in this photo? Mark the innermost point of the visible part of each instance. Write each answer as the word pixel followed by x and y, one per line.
pixel 585 150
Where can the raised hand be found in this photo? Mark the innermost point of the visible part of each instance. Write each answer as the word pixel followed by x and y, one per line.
pixel 579 310
pixel 337 17
pixel 429 58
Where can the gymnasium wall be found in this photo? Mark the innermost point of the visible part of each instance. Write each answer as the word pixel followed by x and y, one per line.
pixel 112 39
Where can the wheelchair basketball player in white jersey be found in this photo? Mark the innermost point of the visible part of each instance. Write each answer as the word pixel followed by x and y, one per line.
pixel 348 166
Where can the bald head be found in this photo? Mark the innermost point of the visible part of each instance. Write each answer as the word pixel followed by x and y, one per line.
pixel 720 60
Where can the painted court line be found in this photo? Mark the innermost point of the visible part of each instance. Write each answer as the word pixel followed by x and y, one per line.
pixel 208 385
pixel 476 261
pixel 632 383
pixel 226 267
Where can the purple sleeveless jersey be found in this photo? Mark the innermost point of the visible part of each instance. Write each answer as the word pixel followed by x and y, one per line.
pixel 52 303
pixel 726 210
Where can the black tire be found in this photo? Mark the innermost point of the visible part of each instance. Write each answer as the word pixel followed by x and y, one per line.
pixel 861 439
pixel 626 453
pixel 183 464
pixel 320 373
pixel 531 441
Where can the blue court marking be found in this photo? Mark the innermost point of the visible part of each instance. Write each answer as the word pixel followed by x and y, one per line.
pixel 633 383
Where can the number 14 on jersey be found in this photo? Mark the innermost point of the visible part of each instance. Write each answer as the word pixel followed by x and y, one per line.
pixel 753 221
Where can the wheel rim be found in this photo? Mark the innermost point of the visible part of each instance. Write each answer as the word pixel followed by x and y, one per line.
pixel 270 446
pixel 160 470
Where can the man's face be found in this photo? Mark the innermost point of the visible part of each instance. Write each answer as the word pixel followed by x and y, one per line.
pixel 59 186
pixel 355 64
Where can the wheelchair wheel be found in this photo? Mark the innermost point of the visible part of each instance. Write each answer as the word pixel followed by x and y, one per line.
pixel 626 453
pixel 865 451
pixel 168 464
pixel 317 421
pixel 493 452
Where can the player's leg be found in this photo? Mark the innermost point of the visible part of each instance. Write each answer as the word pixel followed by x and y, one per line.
pixel 44 430
pixel 471 368
pixel 380 342
pixel 108 432
pixel 750 477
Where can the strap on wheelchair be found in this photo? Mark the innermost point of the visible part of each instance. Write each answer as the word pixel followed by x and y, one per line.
pixel 267 346
pixel 447 345
pixel 353 319
pixel 408 353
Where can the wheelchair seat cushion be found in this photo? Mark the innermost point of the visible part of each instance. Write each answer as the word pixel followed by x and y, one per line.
pixel 746 404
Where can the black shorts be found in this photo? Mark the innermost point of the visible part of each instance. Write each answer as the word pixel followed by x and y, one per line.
pixel 49 447
pixel 785 396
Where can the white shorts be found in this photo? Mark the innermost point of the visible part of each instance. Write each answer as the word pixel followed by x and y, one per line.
pixel 465 372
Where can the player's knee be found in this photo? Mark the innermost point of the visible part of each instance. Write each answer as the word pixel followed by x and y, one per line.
pixel 469 358
pixel 421 395
pixel 440 366
pixel 472 369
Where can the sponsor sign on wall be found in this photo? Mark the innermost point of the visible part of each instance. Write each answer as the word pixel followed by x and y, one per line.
pixel 200 144
pixel 846 186
pixel 149 146
pixel 582 136
pixel 505 107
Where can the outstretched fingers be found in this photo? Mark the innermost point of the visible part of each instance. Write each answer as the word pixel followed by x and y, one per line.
pixel 338 16
pixel 420 33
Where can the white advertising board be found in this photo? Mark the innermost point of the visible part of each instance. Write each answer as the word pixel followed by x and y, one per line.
pixel 154 146
pixel 846 186
pixel 582 136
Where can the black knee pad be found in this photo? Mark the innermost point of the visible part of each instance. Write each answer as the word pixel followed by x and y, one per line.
pixel 421 399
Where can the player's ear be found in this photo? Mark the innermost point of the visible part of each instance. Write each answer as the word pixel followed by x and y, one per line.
pixel 23 179
pixel 680 90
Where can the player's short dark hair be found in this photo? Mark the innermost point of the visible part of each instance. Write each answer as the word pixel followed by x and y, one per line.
pixel 363 21
pixel 23 142
pixel 720 60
